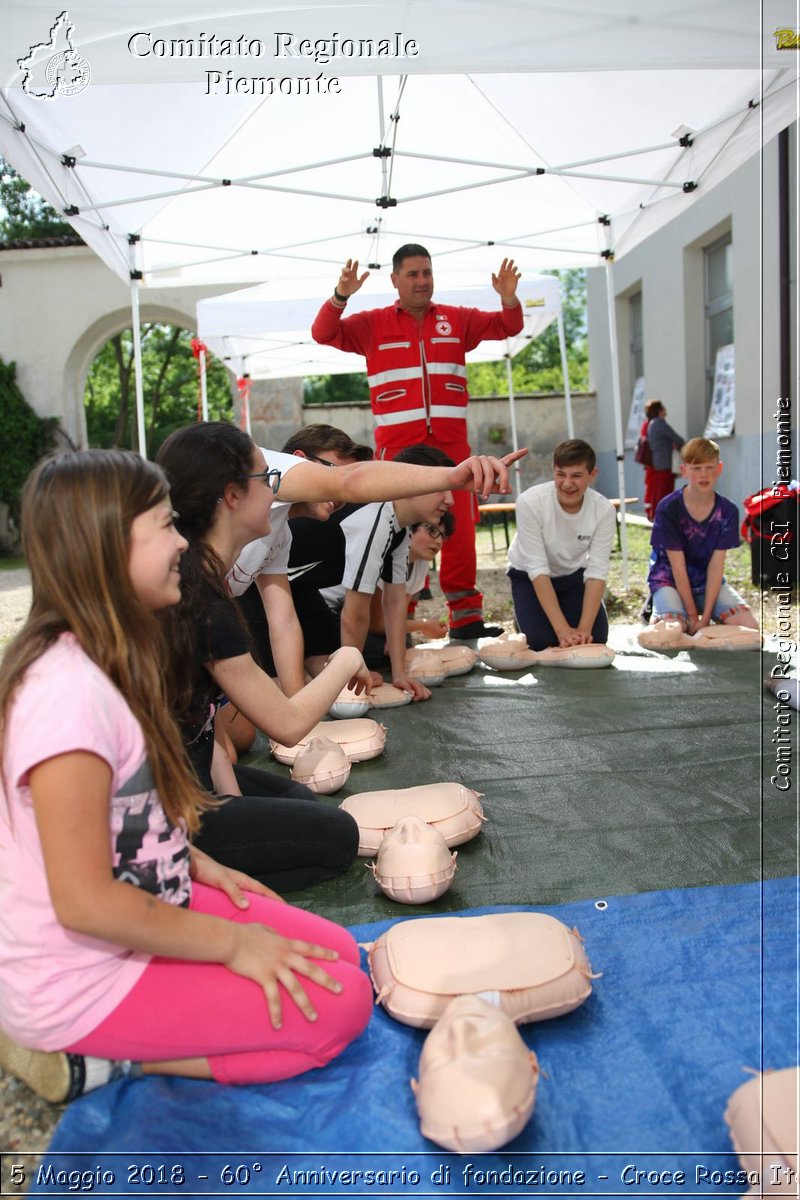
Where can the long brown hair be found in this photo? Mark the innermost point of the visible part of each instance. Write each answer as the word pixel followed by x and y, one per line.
pixel 77 513
pixel 199 462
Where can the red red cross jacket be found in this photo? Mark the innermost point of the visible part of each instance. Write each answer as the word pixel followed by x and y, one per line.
pixel 415 369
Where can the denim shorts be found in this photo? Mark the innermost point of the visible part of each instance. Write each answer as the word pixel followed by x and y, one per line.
pixel 667 602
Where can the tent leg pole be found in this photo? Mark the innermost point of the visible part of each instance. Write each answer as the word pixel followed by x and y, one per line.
pixel 617 393
pixel 513 417
pixel 562 344
pixel 137 366
pixel 203 385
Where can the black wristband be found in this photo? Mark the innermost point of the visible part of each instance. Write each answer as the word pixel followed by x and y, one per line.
pixel 341 299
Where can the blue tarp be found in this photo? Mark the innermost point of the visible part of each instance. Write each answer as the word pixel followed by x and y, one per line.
pixel 697 984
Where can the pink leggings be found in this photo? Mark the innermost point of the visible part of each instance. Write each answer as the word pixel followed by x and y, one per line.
pixel 180 1009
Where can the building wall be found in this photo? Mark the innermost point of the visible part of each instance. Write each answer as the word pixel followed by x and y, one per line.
pixel 58 307
pixel 668 268
pixel 541 423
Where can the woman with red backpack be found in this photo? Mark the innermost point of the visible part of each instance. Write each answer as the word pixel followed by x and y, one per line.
pixel 657 440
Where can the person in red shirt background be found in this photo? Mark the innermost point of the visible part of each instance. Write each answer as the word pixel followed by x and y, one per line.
pixel 418 389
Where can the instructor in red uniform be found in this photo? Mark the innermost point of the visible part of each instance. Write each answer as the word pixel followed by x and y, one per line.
pixel 418 389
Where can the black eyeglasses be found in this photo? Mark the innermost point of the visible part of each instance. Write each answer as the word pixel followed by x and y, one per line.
pixel 434 531
pixel 271 478
pixel 325 462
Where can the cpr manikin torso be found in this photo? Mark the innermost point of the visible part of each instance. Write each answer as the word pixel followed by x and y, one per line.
pixel 670 635
pixel 510 653
pixel 360 739
pixel 451 808
pixel 534 966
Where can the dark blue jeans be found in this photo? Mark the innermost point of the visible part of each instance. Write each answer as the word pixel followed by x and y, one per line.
pixel 531 617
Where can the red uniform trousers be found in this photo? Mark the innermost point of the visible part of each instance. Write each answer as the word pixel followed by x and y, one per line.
pixel 459 563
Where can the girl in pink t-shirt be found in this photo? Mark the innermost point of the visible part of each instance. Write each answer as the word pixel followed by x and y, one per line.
pixel 123 950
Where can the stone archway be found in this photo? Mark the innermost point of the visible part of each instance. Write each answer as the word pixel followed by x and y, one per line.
pixel 60 304
pixel 91 342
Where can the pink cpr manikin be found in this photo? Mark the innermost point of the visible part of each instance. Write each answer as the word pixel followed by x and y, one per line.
pixel 386 695
pixel 413 864
pixel 510 653
pixel 322 765
pixel 348 705
pixel 360 739
pixel 669 635
pixel 425 666
pixel 477 1078
pixel 531 964
pixel 762 1116
pixel 452 659
pixel 451 808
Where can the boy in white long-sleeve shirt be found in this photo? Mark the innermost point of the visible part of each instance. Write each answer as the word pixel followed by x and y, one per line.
pixel 558 560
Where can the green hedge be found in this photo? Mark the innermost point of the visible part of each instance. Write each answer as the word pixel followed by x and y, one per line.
pixel 24 438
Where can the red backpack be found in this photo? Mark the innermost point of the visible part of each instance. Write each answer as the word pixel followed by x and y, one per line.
pixel 643 453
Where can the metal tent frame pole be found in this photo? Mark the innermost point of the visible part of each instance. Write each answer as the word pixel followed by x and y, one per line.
pixel 203 384
pixel 137 365
pixel 513 417
pixel 562 345
pixel 608 255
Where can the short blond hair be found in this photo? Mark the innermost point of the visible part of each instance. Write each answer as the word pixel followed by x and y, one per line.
pixel 700 450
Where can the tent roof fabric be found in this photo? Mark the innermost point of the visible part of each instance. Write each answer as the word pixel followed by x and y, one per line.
pixel 586 119
pixel 264 331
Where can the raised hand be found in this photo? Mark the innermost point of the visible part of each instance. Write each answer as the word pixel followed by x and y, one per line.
pixel 506 280
pixel 349 280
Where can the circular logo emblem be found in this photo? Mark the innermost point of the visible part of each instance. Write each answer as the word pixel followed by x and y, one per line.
pixel 69 71
pixel 443 327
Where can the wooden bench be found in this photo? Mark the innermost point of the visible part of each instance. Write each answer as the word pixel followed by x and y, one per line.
pixel 502 509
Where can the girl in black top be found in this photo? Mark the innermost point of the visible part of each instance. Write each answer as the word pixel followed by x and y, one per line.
pixel 278 831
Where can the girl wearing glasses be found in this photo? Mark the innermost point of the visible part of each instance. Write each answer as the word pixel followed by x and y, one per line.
pixel 268 827
pixel 119 940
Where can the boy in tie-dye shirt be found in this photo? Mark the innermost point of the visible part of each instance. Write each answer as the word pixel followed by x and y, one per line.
pixel 692 530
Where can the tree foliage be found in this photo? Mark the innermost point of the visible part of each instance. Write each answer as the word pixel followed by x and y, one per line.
pixel 24 438
pixel 335 389
pixel 171 387
pixel 23 212
pixel 537 368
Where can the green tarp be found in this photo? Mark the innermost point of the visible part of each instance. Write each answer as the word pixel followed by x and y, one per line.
pixel 651 774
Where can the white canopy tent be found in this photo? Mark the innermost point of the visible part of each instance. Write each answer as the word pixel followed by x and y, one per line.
pixel 181 163
pixel 263 332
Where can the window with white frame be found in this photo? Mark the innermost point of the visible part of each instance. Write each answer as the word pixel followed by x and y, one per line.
pixel 637 342
pixel 718 304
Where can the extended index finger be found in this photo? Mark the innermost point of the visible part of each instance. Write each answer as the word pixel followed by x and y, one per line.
pixel 514 456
